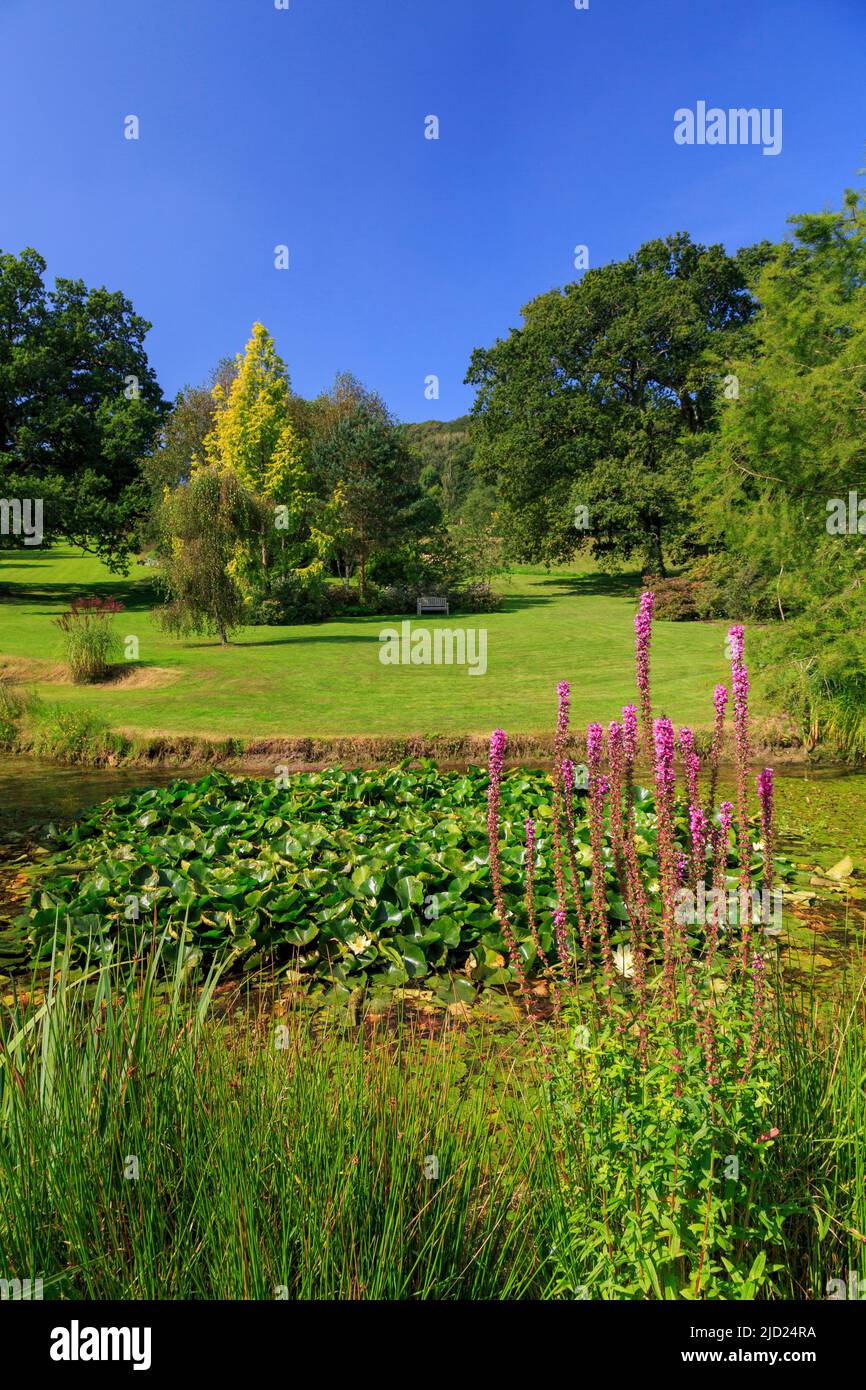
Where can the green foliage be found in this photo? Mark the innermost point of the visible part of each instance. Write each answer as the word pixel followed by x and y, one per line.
pixel 750 1189
pixel 72 735
pixel 13 706
pixel 604 396
pixel 253 435
pixel 90 641
pixel 321 1145
pixel 254 440
pixel 475 534
pixel 364 468
pixel 360 873
pixel 228 1092
pixel 669 1191
pixel 203 523
pixel 79 406
pixel 790 444
pixel 445 450
pixel 293 598
pixel 182 437
pixel 676 600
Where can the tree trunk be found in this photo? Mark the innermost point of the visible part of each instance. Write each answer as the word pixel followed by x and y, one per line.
pixel 655 555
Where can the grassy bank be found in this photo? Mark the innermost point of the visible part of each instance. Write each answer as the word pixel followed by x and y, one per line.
pixel 326 682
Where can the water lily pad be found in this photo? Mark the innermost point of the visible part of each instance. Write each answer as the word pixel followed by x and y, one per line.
pixel 844 869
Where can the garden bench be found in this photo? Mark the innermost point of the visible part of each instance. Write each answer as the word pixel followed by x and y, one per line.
pixel 429 603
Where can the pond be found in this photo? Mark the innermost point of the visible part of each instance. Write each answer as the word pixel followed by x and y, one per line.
pixel 821 814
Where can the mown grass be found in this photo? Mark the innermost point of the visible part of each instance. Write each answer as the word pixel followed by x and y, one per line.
pixel 327 679
pixel 281 1157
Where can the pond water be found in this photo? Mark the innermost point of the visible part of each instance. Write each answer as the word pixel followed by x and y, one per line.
pixel 33 793
pixel 821 817
pixel 826 806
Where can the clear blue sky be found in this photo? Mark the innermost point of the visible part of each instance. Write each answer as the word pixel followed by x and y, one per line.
pixel 306 127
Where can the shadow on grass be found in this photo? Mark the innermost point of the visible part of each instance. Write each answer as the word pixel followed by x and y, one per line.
pixel 134 594
pixel 302 636
pixel 597 585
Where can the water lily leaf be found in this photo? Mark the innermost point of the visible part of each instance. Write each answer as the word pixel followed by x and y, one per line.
pixel 844 869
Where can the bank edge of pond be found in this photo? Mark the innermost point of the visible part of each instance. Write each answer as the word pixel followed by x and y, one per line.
pixel 774 739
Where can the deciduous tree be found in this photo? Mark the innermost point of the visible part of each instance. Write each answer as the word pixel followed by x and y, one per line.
pixel 79 406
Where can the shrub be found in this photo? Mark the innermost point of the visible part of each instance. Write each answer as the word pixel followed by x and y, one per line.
pixel 293 598
pixel 815 668
pixel 655 1207
pixel 728 586
pixel 67 735
pixel 89 639
pixel 676 599
pixel 348 603
pixel 432 566
pixel 477 597
pixel 12 709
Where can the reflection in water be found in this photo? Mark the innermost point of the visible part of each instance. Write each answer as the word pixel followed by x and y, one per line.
pixel 32 793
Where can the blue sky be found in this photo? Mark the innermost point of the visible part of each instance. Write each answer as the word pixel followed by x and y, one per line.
pixel 305 127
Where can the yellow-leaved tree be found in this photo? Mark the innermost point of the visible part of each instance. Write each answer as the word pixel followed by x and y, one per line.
pixel 253 436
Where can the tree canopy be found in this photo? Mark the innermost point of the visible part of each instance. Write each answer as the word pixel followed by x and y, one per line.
pixel 79 405
pixel 597 400
pixel 780 488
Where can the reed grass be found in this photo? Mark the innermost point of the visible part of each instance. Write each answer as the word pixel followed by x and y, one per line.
pixel 285 1156
pixel 274 1159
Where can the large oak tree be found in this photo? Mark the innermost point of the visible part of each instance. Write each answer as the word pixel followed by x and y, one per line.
pixel 600 398
pixel 79 406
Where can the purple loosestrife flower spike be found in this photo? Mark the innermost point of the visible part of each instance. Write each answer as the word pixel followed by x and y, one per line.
pixel 568 776
pixel 663 738
pixel 498 742
pixel 692 765
pixel 629 734
pixel 736 642
pixel 563 712
pixel 720 704
pixel 616 767
pixel 563 696
pixel 699 825
pixel 643 636
pixel 594 746
pixel 597 792
pixel 765 798
pixel 740 683
pixel 665 783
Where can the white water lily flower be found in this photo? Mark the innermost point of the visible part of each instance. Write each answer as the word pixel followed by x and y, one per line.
pixel 622 959
pixel 359 943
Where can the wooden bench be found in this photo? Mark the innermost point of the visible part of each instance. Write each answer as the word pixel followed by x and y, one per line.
pixel 429 603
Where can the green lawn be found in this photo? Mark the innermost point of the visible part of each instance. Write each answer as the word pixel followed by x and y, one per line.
pixel 327 679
